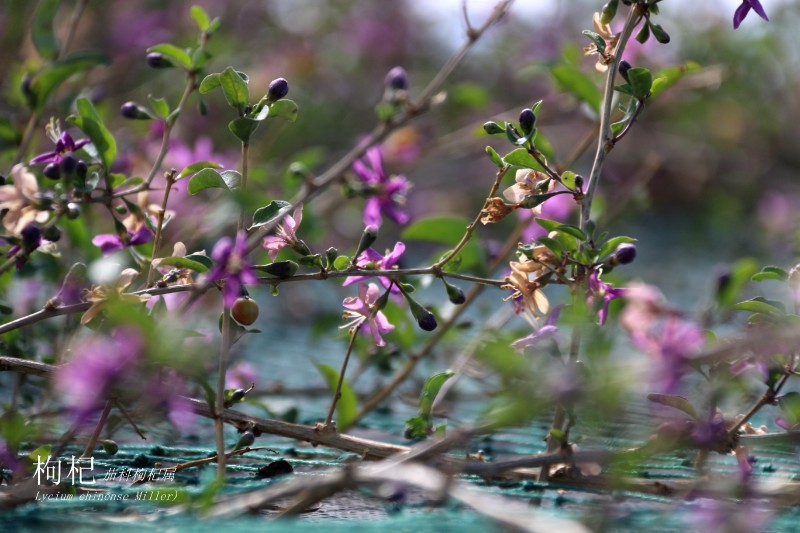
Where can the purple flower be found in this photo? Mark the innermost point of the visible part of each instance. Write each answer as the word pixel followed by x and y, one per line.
pixel 549 329
pixel 388 194
pixel 64 145
pixel 232 266
pixel 604 292
pixel 284 233
pixel 97 368
pixel 372 260
pixel 744 9
pixel 362 312
pixel 110 243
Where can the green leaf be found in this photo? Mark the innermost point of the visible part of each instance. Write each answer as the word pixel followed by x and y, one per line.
pixel 200 17
pixel 553 225
pixel 41 454
pixel 273 211
pixel 495 157
pixel 234 88
pixel 90 123
pixel 552 245
pixel 416 428
pixel 209 83
pixel 610 245
pixel 173 52
pixel 159 105
pixel 197 167
pixel 771 272
pixel 208 179
pixel 314 260
pixel 181 262
pixel 243 128
pixel 759 305
pixel 341 263
pixel 641 81
pixel 676 402
pixel 431 389
pixel 347 406
pixel 578 84
pixel 448 230
pixel 598 41
pixel 42 29
pixel 521 158
pixel 667 77
pixel 56 72
pixel 284 108
pixel 568 179
pixel 740 273
pixel 202 258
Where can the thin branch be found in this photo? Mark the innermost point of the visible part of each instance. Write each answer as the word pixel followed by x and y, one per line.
pixel 471 228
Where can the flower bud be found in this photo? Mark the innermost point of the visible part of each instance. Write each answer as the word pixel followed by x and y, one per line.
pixel 624 254
pixel 659 33
pixel 73 210
pixel 454 294
pixel 109 446
pixel 492 128
pixel 424 318
pixel 397 79
pixel 579 183
pixel 609 12
pixel 367 239
pixel 69 163
pixel 52 171
pixel 31 237
pixel 25 85
pixel 624 67
pixel 245 440
pixel 156 60
pixel 527 119
pixel 278 88
pixel 133 111
pixel 81 168
pixel 52 234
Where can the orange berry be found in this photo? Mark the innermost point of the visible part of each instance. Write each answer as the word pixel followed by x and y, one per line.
pixel 244 311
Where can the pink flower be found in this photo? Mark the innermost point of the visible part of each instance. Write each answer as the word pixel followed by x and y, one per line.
pixel 387 194
pixel 372 260
pixel 363 313
pixel 284 233
pixel 232 266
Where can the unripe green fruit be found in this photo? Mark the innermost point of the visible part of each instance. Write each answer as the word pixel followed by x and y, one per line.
pixel 244 311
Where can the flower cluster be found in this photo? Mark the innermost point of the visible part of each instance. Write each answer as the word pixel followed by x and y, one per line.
pixel 387 194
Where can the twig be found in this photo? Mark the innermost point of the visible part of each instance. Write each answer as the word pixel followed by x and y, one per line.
pixel 87 452
pixel 170 177
pixel 471 228
pixel 338 392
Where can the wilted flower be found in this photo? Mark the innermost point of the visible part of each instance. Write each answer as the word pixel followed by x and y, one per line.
pixel 743 10
pixel 387 194
pixel 232 266
pixel 21 201
pixel 525 184
pixel 173 275
pixel 495 210
pixel 372 260
pixel 284 234
pixel 362 311
pixel 99 296
pixel 611 40
pixel 523 280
